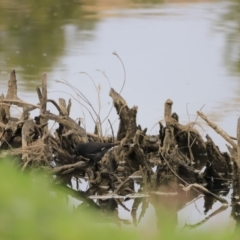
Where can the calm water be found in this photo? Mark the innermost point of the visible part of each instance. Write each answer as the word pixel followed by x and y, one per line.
pixel 186 51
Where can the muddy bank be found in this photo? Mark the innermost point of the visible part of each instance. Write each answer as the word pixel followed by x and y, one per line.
pixel 164 166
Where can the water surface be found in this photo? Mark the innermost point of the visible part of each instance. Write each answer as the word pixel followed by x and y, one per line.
pixel 188 51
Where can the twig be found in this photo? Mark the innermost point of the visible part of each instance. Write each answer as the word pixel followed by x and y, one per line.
pixel 18 102
pixel 99 99
pixel 81 104
pixel 233 138
pixel 124 70
pixel 56 105
pixel 81 96
pixel 121 184
pixel 110 88
pixel 203 189
pixel 77 165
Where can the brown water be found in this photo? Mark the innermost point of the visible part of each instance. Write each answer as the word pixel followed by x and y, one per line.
pixel 188 51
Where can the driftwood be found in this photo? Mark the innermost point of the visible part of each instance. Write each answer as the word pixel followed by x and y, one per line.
pixel 178 153
pixel 218 130
pixel 127 126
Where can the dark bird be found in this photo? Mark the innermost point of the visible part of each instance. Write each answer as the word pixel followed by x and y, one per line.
pixel 93 150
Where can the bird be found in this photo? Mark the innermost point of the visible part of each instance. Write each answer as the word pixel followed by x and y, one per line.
pixel 93 150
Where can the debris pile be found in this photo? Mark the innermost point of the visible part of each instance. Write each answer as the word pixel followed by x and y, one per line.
pixel 164 165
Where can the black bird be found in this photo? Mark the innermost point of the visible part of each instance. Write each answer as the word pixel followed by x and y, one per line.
pixel 93 150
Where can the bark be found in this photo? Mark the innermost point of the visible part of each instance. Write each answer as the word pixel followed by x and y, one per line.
pixel 127 126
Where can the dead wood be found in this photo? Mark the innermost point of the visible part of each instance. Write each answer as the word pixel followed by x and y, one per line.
pixel 11 97
pixel 29 134
pixel 203 189
pixel 127 126
pixel 236 193
pixel 172 153
pixel 62 169
pixel 180 146
pixel 66 121
pixel 238 143
pixel 220 167
pixel 12 92
pixel 186 137
pixel 18 103
pixel 3 115
pixel 218 130
pixel 235 153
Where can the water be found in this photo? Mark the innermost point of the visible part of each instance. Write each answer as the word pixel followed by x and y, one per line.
pixel 178 51
pixel 170 50
pixel 186 51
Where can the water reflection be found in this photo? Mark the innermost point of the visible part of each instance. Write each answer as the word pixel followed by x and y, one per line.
pixel 231 23
pixel 162 213
pixel 33 35
pixel 169 51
